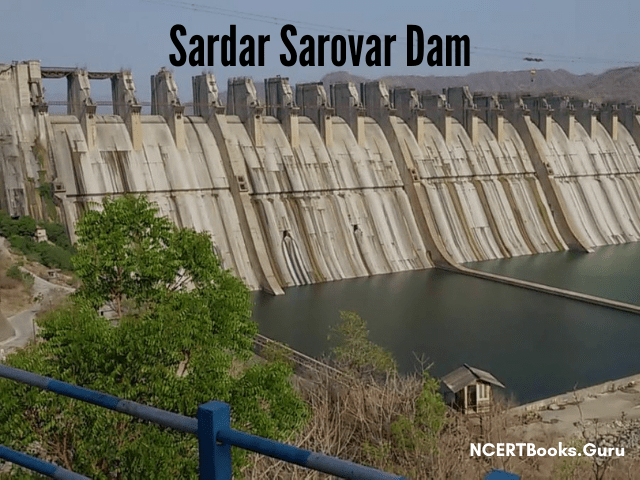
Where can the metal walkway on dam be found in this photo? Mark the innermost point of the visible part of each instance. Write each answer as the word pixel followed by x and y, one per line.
pixel 310 186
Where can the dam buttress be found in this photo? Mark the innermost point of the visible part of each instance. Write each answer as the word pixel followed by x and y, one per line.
pixel 312 186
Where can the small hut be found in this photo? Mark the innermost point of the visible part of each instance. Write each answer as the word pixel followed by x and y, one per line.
pixel 468 389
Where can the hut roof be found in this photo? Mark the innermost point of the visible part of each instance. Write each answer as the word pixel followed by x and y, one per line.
pixel 466 375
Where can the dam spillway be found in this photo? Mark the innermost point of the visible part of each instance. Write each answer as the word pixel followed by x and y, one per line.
pixel 483 193
pixel 312 186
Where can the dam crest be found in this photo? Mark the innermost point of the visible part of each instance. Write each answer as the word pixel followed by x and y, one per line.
pixel 312 186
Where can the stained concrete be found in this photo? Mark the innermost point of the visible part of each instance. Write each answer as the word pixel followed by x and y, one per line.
pixel 311 187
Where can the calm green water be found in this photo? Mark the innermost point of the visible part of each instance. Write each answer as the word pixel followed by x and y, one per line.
pixel 538 345
pixel 612 272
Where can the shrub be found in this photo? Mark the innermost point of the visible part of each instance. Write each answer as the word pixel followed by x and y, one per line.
pixel 57 234
pixel 54 256
pixel 354 351
pixel 26 226
pixel 15 273
pixel 20 233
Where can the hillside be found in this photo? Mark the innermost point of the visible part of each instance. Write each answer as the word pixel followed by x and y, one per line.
pixel 621 84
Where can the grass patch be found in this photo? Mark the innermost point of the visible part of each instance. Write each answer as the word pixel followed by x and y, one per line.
pixel 14 273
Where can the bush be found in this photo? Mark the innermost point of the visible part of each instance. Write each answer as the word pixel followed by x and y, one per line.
pixel 26 226
pixel 20 233
pixel 421 432
pixel 8 225
pixel 54 256
pixel 15 273
pixel 57 234
pixel 354 351
pixel 22 244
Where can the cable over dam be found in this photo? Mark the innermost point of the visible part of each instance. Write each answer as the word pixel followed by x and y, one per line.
pixel 311 186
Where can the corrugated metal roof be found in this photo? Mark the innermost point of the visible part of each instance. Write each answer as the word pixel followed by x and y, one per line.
pixel 458 379
pixel 466 375
pixel 486 376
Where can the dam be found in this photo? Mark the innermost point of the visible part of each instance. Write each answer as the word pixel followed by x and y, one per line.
pixel 310 186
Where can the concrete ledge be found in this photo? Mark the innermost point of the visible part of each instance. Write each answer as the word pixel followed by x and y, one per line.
pixel 538 287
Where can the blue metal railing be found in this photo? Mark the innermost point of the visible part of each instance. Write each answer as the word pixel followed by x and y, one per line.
pixel 37 465
pixel 212 426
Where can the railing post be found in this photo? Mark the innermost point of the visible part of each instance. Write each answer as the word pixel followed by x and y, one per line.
pixel 215 459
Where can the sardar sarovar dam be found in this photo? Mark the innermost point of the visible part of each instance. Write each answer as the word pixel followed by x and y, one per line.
pixel 309 187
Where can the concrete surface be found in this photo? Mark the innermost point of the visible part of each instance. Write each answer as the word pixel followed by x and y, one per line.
pixel 600 406
pixel 356 182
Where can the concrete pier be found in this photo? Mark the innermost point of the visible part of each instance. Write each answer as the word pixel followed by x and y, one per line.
pixel 310 187
pixel 314 104
pixel 165 102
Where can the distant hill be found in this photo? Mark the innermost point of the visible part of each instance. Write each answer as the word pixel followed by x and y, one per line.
pixel 621 84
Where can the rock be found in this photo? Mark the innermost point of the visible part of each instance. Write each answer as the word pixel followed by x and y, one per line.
pixel 553 406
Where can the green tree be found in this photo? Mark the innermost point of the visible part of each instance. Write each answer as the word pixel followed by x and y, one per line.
pixel 127 251
pixel 183 337
pixel 423 429
pixel 354 352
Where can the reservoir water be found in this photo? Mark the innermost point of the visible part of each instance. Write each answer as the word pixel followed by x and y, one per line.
pixel 538 345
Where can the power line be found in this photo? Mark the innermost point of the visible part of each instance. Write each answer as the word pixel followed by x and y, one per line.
pixel 483 51
pixel 252 16
pixel 559 57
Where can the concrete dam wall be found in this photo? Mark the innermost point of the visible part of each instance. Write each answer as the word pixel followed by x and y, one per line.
pixel 311 186
pixel 593 166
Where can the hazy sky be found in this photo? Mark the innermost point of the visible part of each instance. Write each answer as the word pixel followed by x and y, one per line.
pixel 579 36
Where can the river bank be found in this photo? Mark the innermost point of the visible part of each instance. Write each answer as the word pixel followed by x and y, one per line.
pixel 607 408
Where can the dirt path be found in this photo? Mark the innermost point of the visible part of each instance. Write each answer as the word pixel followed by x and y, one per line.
pixel 23 323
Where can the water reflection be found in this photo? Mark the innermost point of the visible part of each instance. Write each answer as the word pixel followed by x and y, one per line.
pixel 536 344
